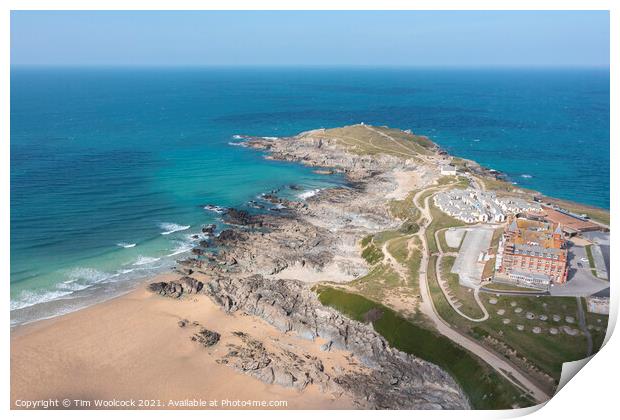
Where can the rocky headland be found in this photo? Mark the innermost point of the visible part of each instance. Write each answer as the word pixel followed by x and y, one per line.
pixel 265 264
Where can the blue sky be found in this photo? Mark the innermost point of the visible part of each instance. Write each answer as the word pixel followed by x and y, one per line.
pixel 410 38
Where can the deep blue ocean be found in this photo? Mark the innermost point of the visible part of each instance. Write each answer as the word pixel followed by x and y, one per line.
pixel 102 159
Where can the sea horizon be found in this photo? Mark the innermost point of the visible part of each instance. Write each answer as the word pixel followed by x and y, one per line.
pixel 336 66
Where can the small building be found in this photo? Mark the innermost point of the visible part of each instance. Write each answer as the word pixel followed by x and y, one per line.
pixel 530 280
pixel 448 170
pixel 571 224
pixel 598 303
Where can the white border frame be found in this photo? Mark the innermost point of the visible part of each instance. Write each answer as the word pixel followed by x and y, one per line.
pixel 591 393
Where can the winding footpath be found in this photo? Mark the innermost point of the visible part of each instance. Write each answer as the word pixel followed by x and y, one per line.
pixel 503 367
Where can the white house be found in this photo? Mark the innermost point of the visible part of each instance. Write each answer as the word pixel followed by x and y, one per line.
pixel 448 170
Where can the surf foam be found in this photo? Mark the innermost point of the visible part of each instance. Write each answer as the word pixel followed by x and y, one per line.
pixel 307 194
pixel 215 209
pixel 142 260
pixel 184 247
pixel 169 228
pixel 125 245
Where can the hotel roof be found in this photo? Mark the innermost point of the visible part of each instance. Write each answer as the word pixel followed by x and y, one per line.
pixel 531 233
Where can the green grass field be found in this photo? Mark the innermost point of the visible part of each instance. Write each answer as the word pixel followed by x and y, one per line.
pixel 591 260
pixel 377 282
pixel 371 252
pixel 462 294
pixel 497 185
pixel 544 351
pixel 484 387
pixel 502 287
pixel 398 249
pixel 597 325
pixel 370 140
pixel 403 209
pixel 489 269
pixel 413 265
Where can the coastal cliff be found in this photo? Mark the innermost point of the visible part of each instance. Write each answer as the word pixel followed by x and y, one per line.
pixel 266 264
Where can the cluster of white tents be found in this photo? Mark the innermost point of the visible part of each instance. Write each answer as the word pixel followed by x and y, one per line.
pixel 473 206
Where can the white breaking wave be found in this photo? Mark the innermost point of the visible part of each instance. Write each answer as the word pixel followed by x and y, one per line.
pixel 184 247
pixel 269 138
pixel 172 227
pixel 237 137
pixel 125 245
pixel 29 298
pixel 145 260
pixel 307 194
pixel 238 143
pixel 196 237
pixel 214 208
pixel 87 275
pixel 79 278
pixel 526 176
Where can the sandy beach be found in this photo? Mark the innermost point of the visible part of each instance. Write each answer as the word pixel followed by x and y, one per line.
pixel 132 347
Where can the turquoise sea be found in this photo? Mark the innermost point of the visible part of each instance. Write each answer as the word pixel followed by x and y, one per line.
pixel 111 168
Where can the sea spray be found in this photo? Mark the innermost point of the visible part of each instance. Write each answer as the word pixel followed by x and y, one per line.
pixel 169 228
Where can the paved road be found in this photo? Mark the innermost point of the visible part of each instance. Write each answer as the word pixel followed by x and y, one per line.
pixel 581 281
pixel 497 362
pixel 602 240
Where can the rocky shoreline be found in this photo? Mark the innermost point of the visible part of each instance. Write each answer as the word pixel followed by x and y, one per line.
pixel 265 265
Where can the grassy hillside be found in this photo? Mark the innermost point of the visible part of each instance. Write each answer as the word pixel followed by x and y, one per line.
pixel 483 386
pixel 369 140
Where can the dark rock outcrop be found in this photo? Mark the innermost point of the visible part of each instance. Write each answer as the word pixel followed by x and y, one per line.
pixel 191 284
pixel 228 236
pixel 170 289
pixel 242 218
pixel 208 229
pixel 398 380
pixel 176 289
pixel 206 337
pixel 277 366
